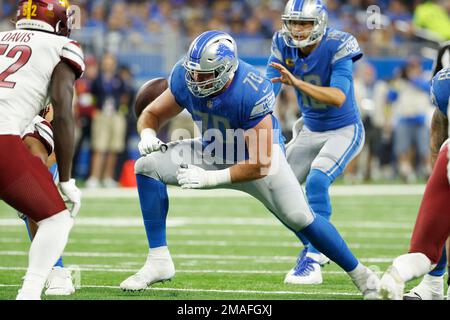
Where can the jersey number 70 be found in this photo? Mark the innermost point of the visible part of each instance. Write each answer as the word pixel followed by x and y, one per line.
pixel 25 54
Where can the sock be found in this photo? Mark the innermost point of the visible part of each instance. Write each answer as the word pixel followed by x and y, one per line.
pixel 412 265
pixel 58 263
pixel 54 171
pixel 324 236
pixel 46 247
pixel 439 271
pixel 154 206
pixel 317 185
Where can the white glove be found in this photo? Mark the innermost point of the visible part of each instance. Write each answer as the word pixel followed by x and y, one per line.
pixel 149 142
pixel 195 177
pixel 72 196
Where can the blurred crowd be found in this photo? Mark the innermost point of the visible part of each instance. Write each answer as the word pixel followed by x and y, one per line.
pixel 396 111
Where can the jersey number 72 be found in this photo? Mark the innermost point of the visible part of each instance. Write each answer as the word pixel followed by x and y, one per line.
pixel 25 54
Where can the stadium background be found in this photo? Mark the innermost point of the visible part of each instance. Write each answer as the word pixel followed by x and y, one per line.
pixel 146 38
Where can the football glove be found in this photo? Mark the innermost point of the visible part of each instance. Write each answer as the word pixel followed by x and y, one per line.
pixel 149 142
pixel 193 177
pixel 71 195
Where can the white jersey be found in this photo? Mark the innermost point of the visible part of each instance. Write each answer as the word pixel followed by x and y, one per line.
pixel 27 61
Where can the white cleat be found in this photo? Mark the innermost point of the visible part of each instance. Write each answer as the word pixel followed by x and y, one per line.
pixel 307 270
pixel 391 285
pixel 27 296
pixel 431 288
pixel 157 268
pixel 323 260
pixel 367 282
pixel 59 283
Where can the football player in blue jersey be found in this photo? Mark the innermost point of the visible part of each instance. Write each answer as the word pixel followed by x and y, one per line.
pixel 317 61
pixel 432 226
pixel 240 148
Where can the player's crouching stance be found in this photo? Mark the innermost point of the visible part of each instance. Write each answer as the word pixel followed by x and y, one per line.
pixel 38 137
pixel 39 63
pixel 433 221
pixel 222 92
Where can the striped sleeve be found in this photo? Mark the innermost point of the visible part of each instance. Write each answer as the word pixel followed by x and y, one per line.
pixel 73 55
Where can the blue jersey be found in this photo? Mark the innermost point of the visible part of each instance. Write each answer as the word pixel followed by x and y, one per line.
pixel 335 46
pixel 248 100
pixel 440 90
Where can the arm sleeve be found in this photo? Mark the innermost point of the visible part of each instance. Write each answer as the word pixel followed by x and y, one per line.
pixel 341 75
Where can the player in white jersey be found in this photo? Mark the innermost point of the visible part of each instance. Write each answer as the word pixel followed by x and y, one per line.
pixel 39 64
pixel 38 137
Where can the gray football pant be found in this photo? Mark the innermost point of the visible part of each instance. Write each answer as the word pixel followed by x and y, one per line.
pixel 279 191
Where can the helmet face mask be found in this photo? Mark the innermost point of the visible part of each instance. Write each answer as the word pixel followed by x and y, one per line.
pixel 304 12
pixel 210 63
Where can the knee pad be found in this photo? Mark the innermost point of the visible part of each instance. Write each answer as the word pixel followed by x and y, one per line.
pixel 147 166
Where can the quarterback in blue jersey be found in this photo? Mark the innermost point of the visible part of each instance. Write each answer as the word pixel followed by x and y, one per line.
pixel 432 227
pixel 317 61
pixel 240 148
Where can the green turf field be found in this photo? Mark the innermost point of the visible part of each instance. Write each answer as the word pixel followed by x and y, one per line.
pixel 223 248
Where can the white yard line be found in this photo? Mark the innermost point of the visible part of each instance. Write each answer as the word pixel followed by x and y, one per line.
pixel 114 222
pixel 90 268
pixel 352 190
pixel 215 243
pixel 225 257
pixel 309 293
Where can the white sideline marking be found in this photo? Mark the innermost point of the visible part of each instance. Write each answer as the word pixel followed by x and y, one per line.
pixel 273 259
pixel 174 192
pixel 214 243
pixel 309 293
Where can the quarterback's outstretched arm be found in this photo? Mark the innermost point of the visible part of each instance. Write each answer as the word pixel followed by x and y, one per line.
pixel 333 96
pixel 62 88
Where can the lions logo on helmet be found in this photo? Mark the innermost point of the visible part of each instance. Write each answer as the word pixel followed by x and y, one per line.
pixel 304 11
pixel 210 63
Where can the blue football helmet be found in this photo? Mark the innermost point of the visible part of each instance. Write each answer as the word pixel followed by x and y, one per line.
pixel 306 11
pixel 210 63
pixel 440 89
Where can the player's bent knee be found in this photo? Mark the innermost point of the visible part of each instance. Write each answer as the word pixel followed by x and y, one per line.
pixel 147 166
pixel 63 219
pixel 298 220
pixel 317 183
